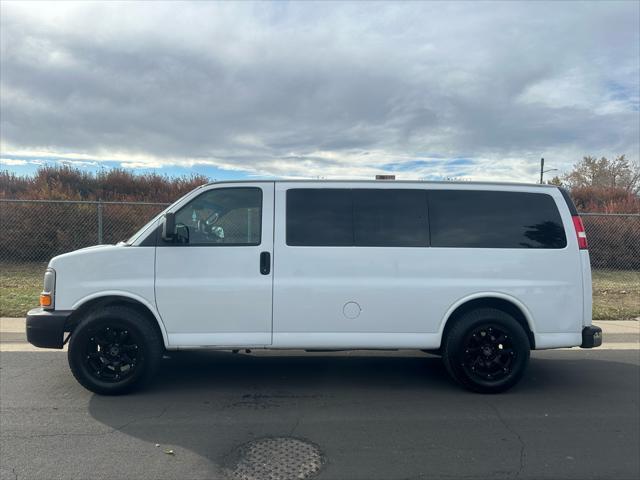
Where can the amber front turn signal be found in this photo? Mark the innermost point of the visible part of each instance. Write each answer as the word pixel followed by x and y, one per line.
pixel 45 300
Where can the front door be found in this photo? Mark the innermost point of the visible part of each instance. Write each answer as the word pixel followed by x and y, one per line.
pixel 214 284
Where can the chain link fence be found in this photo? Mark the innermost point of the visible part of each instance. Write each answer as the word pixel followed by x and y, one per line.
pixel 33 231
pixel 614 240
pixel 36 230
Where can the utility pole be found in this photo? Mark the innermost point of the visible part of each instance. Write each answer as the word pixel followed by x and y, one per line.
pixel 543 171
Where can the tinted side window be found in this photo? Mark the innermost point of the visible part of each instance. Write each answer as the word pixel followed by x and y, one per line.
pixel 222 216
pixel 390 218
pixel 319 217
pixel 482 219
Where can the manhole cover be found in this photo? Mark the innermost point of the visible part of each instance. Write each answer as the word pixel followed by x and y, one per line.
pixel 279 458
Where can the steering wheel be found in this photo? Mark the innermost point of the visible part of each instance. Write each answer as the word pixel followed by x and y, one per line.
pixel 212 219
pixel 208 228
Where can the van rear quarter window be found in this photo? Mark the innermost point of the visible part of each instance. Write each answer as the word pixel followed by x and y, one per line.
pixel 319 217
pixel 493 219
pixel 357 217
pixel 390 218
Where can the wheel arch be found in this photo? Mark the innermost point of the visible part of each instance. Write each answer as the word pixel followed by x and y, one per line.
pixel 117 298
pixel 499 301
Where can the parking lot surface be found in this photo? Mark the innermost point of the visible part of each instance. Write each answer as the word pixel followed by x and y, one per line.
pixel 366 415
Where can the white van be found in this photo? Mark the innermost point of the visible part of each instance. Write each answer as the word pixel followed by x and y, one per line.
pixel 480 273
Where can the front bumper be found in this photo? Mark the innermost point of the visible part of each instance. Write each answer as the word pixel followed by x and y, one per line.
pixel 591 337
pixel 45 328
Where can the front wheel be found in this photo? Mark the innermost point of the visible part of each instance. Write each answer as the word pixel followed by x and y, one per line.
pixel 486 351
pixel 114 350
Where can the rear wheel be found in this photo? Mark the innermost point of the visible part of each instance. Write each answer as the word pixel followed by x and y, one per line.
pixel 114 350
pixel 486 351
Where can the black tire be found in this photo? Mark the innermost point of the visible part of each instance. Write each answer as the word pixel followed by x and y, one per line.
pixel 486 351
pixel 114 350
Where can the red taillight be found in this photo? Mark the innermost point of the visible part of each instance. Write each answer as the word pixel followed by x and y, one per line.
pixel 581 234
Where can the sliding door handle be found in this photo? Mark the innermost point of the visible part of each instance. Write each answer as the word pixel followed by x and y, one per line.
pixel 265 263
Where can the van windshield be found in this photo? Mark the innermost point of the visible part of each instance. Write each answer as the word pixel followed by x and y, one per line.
pixel 133 237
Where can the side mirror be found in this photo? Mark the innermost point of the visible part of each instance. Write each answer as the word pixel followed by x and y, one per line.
pixel 169 227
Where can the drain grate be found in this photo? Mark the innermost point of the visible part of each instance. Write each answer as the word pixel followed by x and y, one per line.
pixel 280 458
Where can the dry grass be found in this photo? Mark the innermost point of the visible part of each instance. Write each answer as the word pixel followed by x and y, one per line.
pixel 616 294
pixel 20 287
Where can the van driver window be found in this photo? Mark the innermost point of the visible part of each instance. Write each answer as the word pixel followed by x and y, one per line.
pixel 222 216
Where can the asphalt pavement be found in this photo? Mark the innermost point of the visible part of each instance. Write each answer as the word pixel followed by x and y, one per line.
pixel 372 415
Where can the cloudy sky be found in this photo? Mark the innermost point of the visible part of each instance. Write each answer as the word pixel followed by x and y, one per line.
pixel 433 90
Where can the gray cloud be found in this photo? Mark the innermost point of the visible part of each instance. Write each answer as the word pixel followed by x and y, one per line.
pixel 323 89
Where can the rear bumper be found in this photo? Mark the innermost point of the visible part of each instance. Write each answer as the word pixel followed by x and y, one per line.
pixel 45 328
pixel 591 337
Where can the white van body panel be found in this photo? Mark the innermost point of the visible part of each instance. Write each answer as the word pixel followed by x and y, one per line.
pixel 106 270
pixel 587 308
pixel 93 271
pixel 331 297
pixel 410 292
pixel 133 297
pixel 215 295
pixel 484 295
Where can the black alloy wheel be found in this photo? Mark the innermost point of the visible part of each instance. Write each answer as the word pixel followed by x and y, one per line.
pixel 115 349
pixel 488 353
pixel 486 350
pixel 112 353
